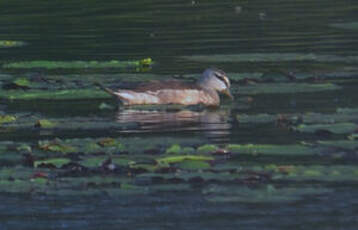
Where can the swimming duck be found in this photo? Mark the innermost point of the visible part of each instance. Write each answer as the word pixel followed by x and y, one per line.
pixel 204 91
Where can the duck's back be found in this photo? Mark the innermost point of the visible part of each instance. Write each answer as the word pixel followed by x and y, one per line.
pixel 167 92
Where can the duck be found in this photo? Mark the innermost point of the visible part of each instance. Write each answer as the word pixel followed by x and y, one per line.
pixel 204 91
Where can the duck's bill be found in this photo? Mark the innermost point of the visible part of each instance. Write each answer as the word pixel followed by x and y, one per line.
pixel 228 93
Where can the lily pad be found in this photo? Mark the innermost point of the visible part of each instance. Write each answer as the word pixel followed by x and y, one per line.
pixel 193 165
pixel 93 162
pixel 58 162
pixel 337 128
pixel 78 64
pixel 176 159
pixel 69 94
pixel 276 88
pixel 342 144
pixel 22 82
pixel 204 149
pixel 7 119
pixel 271 57
pixel 289 150
pixel 10 44
pixel 56 146
pixel 174 149
pixel 46 124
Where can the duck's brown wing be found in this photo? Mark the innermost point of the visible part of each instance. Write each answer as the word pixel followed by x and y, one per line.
pixel 165 85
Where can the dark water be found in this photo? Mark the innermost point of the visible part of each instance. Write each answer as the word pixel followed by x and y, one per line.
pixel 165 31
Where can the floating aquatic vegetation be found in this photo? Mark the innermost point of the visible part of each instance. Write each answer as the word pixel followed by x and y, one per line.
pixel 7 119
pixel 204 149
pixel 321 173
pixel 57 162
pixel 45 124
pixel 342 144
pixel 78 64
pixel 56 146
pixel 342 115
pixel 271 57
pixel 174 149
pixel 96 163
pixel 70 94
pixel 10 44
pixel 22 82
pixel 287 150
pixel 193 165
pixel 24 122
pixel 337 128
pixel 176 159
pixel 93 162
pixel 267 88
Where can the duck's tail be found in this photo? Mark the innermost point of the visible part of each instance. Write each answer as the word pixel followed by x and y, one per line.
pixel 108 90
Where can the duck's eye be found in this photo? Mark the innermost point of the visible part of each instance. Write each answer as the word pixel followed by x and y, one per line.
pixel 223 79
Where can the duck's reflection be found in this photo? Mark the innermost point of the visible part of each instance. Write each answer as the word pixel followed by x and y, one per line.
pixel 212 123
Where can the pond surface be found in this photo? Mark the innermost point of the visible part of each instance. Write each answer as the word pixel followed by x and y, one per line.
pixel 282 155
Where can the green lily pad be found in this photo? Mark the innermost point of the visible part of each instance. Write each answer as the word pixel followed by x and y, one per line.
pixel 270 57
pixel 193 165
pixel 93 162
pixel 56 146
pixel 69 94
pixel 295 150
pixel 46 124
pixel 78 64
pixel 342 115
pixel 337 128
pixel 335 173
pixel 22 82
pixel 10 44
pixel 174 149
pixel 7 119
pixel 276 88
pixel 58 162
pixel 204 149
pixel 343 144
pixel 176 159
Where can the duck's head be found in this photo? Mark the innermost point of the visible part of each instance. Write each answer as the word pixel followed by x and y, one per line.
pixel 217 80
